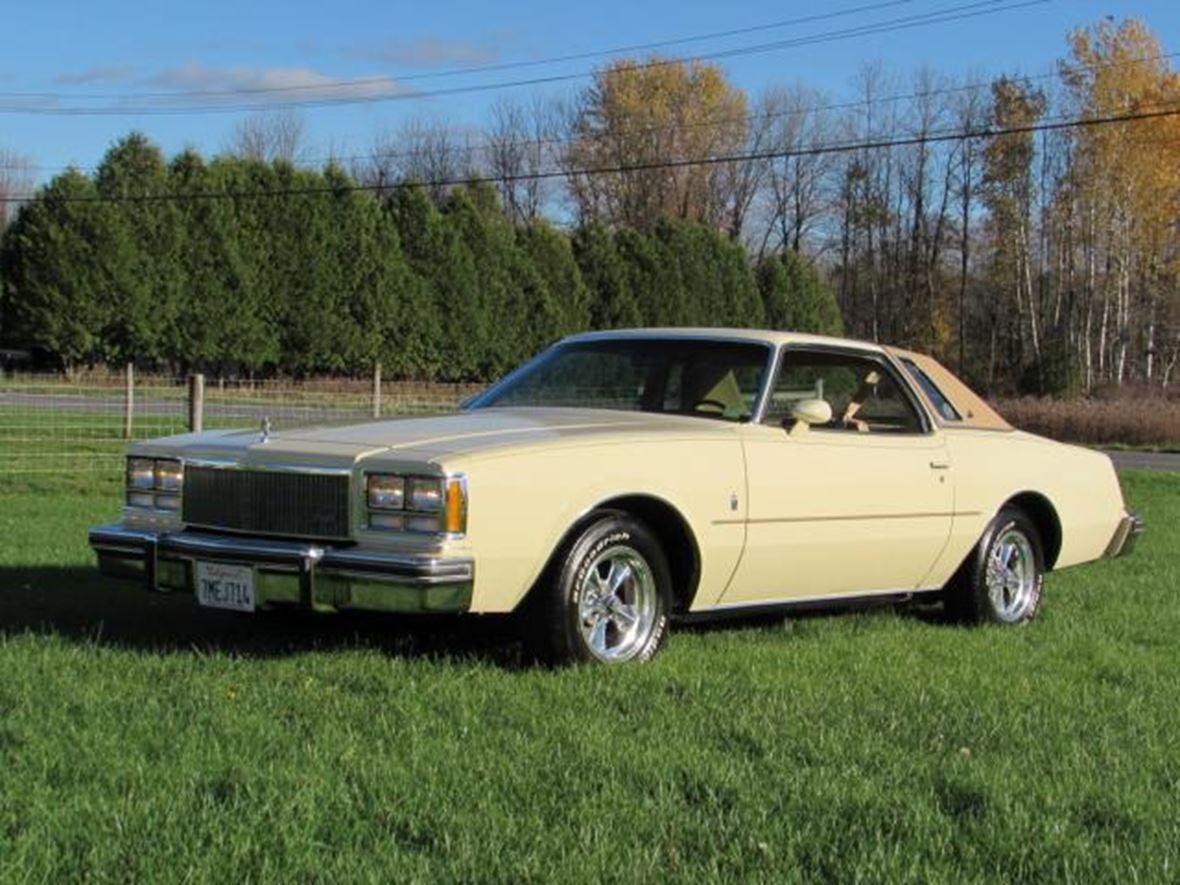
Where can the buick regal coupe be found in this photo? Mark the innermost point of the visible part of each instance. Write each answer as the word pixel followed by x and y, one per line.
pixel 620 481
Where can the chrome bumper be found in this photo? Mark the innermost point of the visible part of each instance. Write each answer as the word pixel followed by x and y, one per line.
pixel 1130 527
pixel 293 572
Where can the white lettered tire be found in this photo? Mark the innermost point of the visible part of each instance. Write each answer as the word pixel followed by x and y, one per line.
pixel 607 601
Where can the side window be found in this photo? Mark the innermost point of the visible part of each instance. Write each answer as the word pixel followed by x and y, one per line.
pixel 864 394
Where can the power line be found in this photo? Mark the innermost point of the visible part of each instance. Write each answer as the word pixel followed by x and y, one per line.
pixel 476 69
pixel 845 148
pixel 801 111
pixel 745 119
pixel 945 15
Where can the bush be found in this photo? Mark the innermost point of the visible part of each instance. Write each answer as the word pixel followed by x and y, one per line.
pixel 1129 420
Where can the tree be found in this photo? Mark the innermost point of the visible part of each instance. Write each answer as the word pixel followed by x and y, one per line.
pixel 423 152
pixel 1008 196
pixel 649 114
pixel 796 183
pixel 551 253
pixel 604 272
pixel 1127 188
pixel 520 147
pixel 52 256
pixel 139 286
pixel 452 323
pixel 268 136
pixel 16 179
pixel 795 297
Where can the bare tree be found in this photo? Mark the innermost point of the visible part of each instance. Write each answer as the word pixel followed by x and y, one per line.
pixel 16 180
pixel 521 144
pixel 268 136
pixel 422 151
pixel 796 181
pixel 741 181
pixel 970 111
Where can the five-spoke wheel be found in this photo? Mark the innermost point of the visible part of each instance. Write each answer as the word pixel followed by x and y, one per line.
pixel 1001 581
pixel 607 600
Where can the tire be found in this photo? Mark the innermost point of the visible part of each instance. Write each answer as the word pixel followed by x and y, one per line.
pixel 574 617
pixel 1002 579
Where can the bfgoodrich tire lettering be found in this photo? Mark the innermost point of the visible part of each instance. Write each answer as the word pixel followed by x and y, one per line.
pixel 1002 580
pixel 608 600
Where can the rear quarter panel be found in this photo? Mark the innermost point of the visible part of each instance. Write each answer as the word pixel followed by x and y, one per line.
pixel 991 467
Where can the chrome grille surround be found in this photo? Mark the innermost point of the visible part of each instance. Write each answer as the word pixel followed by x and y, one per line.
pixel 296 503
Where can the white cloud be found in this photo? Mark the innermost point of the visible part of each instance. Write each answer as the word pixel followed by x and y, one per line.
pixel 96 76
pixel 277 85
pixel 429 52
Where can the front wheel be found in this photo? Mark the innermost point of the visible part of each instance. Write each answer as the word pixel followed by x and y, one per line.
pixel 1002 580
pixel 608 601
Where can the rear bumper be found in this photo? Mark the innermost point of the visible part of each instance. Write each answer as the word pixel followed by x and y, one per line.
pixel 1130 527
pixel 291 572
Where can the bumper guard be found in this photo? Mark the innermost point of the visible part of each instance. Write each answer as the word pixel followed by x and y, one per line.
pixel 1130 527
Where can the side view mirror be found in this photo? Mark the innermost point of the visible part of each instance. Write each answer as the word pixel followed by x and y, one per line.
pixel 807 412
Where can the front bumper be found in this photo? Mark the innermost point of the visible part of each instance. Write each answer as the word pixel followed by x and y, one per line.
pixel 309 575
pixel 1130 527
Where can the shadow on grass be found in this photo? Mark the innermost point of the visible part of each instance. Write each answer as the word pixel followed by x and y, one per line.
pixel 80 605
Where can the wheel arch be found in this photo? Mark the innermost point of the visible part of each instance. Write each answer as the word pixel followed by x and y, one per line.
pixel 664 520
pixel 1044 516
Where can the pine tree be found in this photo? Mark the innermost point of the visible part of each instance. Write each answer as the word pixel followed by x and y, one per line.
pixel 612 305
pixel 795 297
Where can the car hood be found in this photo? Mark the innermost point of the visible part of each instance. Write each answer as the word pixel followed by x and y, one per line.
pixel 418 439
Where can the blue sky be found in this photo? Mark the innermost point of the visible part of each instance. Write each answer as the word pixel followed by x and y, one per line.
pixel 78 52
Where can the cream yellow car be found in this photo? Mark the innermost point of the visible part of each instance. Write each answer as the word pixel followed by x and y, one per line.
pixel 623 480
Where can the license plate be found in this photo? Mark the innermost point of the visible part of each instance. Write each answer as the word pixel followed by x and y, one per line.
pixel 225 586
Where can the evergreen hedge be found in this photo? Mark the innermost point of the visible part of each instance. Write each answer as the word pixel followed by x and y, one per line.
pixel 138 263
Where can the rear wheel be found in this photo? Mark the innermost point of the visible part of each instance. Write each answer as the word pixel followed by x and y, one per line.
pixel 1002 580
pixel 608 601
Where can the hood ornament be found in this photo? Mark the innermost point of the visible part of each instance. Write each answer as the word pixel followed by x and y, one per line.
pixel 264 431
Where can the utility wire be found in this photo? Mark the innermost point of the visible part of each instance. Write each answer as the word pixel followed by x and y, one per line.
pixel 474 69
pixel 942 16
pixel 844 148
pixel 485 145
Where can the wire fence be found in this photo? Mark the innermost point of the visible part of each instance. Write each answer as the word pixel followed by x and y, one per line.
pixel 51 422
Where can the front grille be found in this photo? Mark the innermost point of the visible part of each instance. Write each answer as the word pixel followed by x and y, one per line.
pixel 305 505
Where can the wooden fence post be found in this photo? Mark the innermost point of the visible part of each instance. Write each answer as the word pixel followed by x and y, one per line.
pixel 196 403
pixel 129 402
pixel 377 390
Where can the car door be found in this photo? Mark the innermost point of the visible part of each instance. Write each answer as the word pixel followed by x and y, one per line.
pixel 860 504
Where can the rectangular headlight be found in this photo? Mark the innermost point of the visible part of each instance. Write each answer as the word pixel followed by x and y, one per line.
pixel 163 476
pixel 144 500
pixel 420 504
pixel 141 473
pixel 425 495
pixel 427 525
pixel 386 492
pixel 389 522
pixel 169 475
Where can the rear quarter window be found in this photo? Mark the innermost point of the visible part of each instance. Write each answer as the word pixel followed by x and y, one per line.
pixel 941 404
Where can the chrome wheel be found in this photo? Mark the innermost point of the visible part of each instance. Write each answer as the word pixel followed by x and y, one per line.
pixel 1012 576
pixel 617 604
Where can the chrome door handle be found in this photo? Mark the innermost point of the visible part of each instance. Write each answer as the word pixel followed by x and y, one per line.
pixel 940 465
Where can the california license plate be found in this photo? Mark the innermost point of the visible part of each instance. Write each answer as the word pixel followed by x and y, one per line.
pixel 225 586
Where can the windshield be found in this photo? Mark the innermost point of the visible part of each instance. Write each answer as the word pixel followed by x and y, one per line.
pixel 707 379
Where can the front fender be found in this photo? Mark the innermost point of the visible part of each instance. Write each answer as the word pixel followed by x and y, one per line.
pixel 523 505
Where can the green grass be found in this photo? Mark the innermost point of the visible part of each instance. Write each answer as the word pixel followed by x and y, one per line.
pixel 144 739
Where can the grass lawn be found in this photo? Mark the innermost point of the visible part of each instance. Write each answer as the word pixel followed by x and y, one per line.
pixel 144 739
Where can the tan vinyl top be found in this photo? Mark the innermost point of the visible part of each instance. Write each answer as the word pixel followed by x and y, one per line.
pixel 976 413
